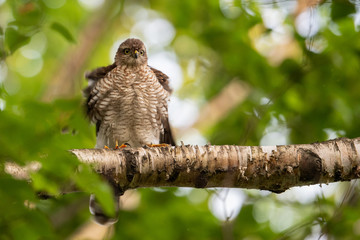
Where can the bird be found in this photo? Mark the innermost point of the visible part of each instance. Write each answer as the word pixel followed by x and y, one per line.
pixel 128 102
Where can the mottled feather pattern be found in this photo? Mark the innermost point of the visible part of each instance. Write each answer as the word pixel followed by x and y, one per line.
pixel 101 72
pixel 163 79
pixel 141 110
pixel 128 102
pixel 92 108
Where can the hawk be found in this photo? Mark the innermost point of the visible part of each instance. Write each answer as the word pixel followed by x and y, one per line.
pixel 128 102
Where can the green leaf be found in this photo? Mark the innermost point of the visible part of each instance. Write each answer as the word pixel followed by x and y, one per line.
pixel 341 9
pixel 40 182
pixel 2 50
pixel 91 183
pixel 27 13
pixel 14 39
pixel 63 31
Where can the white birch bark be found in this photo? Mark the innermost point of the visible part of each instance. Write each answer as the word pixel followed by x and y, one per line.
pixel 274 168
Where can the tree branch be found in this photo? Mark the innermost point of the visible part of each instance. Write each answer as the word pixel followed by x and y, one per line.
pixel 274 168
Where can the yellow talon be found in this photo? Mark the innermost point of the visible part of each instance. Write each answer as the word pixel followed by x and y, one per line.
pixel 121 146
pixel 158 145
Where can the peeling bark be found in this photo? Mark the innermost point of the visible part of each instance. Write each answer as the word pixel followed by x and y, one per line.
pixel 274 168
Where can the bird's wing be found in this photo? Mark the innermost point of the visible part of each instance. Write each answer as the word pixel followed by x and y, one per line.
pixel 101 72
pixel 162 78
pixel 94 76
pixel 92 96
pixel 166 136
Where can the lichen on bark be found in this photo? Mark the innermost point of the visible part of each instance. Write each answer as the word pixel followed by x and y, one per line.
pixel 274 168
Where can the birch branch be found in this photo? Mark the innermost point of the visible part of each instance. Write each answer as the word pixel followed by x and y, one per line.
pixel 274 168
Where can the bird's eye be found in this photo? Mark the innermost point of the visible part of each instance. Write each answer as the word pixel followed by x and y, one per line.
pixel 142 52
pixel 127 51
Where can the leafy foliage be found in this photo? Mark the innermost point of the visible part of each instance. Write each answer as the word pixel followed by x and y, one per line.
pixel 306 89
pixel 63 31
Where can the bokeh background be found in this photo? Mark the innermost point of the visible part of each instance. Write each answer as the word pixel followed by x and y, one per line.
pixel 243 72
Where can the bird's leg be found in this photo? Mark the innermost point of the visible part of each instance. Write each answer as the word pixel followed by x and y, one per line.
pixel 158 145
pixel 124 145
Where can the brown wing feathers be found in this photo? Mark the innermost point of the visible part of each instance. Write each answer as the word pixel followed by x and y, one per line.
pixel 101 72
pixel 162 78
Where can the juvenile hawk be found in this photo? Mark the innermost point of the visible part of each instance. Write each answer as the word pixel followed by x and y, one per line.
pixel 128 102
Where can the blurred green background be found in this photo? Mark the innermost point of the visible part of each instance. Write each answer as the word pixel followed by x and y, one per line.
pixel 243 72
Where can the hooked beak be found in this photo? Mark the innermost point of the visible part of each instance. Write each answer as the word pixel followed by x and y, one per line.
pixel 136 55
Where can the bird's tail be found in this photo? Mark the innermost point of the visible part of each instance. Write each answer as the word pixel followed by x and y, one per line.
pixel 98 214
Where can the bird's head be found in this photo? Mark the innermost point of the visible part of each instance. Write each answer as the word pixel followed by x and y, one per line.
pixel 132 52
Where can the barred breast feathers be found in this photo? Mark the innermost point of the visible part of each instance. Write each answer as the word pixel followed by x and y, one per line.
pixel 150 84
pixel 95 102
